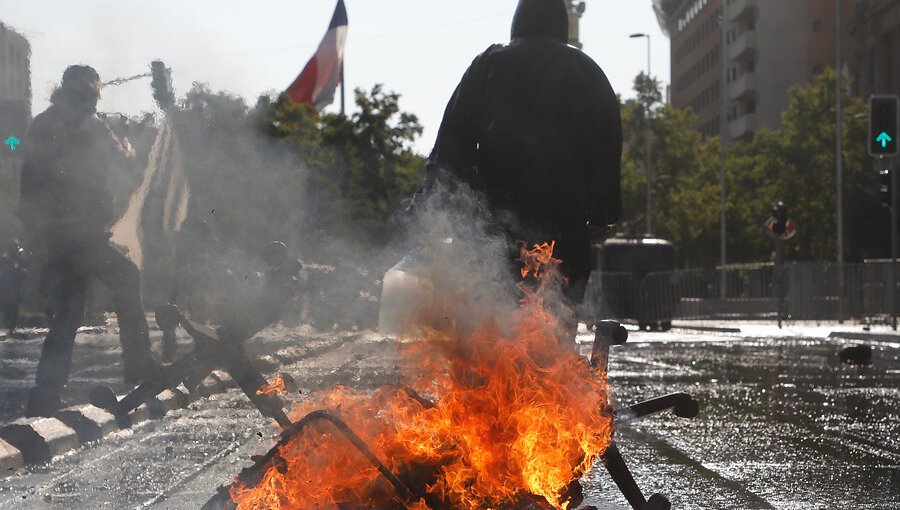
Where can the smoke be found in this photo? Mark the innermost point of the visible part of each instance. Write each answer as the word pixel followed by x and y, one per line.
pixel 457 275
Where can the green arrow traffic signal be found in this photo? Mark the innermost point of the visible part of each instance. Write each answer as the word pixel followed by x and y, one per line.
pixel 884 124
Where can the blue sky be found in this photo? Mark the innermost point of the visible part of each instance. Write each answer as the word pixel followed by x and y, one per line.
pixel 419 49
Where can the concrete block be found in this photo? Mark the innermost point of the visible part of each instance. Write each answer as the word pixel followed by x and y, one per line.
pixel 225 378
pixel 89 422
pixel 210 386
pixel 11 459
pixel 191 396
pixel 40 439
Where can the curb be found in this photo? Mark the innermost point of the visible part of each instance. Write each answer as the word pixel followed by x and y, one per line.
pixel 34 441
pixel 714 329
pixel 40 439
pixel 89 423
pixel 871 337
pixel 11 459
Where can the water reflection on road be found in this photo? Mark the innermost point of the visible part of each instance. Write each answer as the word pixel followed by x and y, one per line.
pixel 783 423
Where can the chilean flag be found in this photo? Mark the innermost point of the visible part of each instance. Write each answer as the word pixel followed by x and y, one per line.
pixel 319 79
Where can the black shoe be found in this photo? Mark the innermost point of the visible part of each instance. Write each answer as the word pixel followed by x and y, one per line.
pixel 42 402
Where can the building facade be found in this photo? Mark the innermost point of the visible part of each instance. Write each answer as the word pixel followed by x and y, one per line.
pixel 15 114
pixel 15 71
pixel 874 33
pixel 769 46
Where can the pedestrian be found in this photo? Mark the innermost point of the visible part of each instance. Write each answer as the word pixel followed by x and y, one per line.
pixel 13 270
pixel 535 127
pixel 67 208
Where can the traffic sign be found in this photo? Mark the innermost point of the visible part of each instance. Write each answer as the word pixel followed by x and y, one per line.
pixel 790 230
pixel 884 125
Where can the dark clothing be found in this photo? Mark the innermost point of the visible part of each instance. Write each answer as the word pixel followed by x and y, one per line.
pixel 66 172
pixel 535 126
pixel 65 280
pixel 547 18
pixel 13 269
pixel 67 207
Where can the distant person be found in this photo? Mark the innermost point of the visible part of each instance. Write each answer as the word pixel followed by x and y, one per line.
pixel 13 270
pixel 534 125
pixel 68 209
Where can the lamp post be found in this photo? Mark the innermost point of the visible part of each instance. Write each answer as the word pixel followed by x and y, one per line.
pixel 839 160
pixel 649 162
pixel 723 141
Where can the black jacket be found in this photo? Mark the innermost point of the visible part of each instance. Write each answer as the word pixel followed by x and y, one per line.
pixel 66 171
pixel 535 126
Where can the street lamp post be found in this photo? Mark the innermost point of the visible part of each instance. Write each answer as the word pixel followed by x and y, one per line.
pixel 649 162
pixel 839 160
pixel 723 140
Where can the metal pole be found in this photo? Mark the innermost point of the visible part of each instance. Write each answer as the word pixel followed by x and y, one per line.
pixel 343 94
pixel 779 276
pixel 893 275
pixel 723 133
pixel 839 159
pixel 649 149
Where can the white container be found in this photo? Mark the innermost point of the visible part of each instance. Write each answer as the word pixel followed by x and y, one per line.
pixel 406 298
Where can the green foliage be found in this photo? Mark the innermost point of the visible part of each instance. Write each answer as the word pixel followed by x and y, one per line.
pixel 795 164
pixel 282 171
pixel 685 175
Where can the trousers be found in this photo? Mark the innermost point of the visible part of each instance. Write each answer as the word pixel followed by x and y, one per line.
pixel 65 281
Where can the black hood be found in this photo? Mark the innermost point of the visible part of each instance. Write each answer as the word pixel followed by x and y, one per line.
pixel 541 17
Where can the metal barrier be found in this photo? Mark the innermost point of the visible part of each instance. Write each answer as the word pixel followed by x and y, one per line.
pixel 812 291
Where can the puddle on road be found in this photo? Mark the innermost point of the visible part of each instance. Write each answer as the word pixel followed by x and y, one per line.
pixel 783 424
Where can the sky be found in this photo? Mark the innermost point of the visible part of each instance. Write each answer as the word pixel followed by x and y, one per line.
pixel 418 49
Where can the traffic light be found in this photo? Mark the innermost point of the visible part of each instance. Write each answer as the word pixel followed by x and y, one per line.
pixel 884 124
pixel 14 115
pixel 780 215
pixel 884 190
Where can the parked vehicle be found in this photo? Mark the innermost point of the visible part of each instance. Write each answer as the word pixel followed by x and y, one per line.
pixel 628 270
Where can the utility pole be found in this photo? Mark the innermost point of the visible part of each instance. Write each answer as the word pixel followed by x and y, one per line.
pixel 723 135
pixel 839 160
pixel 893 277
pixel 649 156
pixel 343 91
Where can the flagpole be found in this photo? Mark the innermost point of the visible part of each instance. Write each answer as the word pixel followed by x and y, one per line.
pixel 342 87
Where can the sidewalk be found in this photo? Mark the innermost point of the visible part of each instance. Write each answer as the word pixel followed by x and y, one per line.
pixel 803 329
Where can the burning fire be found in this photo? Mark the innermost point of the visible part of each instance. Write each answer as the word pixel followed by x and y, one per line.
pixel 516 415
pixel 275 387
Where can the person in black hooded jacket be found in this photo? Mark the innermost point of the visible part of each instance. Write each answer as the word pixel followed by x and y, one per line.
pixel 67 209
pixel 534 125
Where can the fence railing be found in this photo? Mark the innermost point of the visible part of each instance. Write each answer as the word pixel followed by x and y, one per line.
pixel 811 290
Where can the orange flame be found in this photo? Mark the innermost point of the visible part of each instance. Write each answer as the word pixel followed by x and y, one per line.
pixel 275 387
pixel 515 413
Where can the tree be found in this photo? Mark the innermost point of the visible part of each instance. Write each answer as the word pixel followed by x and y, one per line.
pixel 685 174
pixel 796 164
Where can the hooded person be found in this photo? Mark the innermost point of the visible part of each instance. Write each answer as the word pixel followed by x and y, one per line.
pixel 67 210
pixel 534 126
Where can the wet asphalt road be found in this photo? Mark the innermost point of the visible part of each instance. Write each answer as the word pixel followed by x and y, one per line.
pixel 782 425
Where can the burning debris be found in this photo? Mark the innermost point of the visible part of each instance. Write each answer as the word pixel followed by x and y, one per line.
pixel 280 385
pixel 491 419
